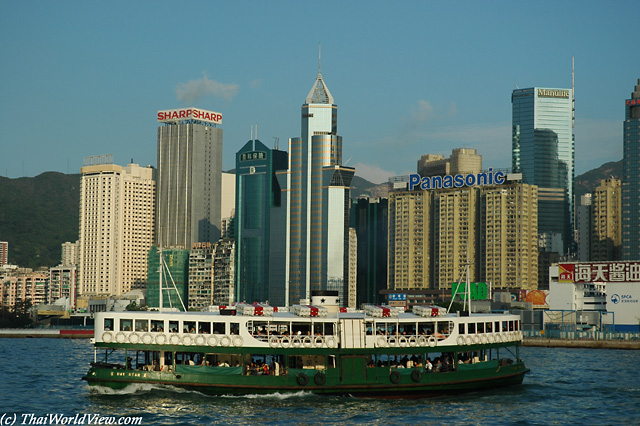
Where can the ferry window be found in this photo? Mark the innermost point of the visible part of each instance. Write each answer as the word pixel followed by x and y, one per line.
pixel 369 328
pixel 471 327
pixel 329 330
pixel 461 329
pixel 504 326
pixel 517 325
pixel 157 325
pixel 108 324
pixel 489 327
pixel 189 327
pixel 173 326
pixel 408 329
pixel 218 328
pixel 301 329
pixel 234 328
pixel 444 328
pixel 510 325
pixel 496 326
pixel 426 328
pixel 142 325
pixel 204 327
pixel 126 324
pixel 480 327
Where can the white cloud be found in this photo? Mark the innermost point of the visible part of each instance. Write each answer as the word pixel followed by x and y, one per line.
pixel 424 111
pixel 373 173
pixel 195 90
pixel 256 84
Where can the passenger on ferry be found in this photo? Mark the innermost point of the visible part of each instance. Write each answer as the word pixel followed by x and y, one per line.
pixel 427 365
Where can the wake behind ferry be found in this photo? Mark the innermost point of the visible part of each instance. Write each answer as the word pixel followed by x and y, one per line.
pixel 379 351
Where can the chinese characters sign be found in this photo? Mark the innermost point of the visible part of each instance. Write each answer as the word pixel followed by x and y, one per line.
pixel 604 272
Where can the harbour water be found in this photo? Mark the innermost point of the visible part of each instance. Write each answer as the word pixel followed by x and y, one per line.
pixel 566 386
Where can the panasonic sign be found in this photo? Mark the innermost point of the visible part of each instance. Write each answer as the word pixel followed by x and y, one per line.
pixel 456 181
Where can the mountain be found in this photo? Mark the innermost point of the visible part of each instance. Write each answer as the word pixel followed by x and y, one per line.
pixel 588 181
pixel 37 215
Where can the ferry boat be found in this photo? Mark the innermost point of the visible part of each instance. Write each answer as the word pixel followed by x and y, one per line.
pixel 379 352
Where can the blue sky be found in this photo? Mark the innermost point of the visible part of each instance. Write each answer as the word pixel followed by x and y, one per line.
pixel 83 78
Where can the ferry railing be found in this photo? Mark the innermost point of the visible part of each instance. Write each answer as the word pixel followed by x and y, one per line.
pixel 580 335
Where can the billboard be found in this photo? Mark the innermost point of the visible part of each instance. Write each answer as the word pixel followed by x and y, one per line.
pixel 177 115
pixel 538 298
pixel 605 272
pixel 623 299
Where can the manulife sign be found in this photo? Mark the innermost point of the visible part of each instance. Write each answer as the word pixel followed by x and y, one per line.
pixel 478 291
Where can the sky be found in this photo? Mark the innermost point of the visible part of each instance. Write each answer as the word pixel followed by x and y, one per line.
pixel 86 78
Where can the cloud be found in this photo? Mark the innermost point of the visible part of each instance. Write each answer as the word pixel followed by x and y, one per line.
pixel 424 111
pixel 373 173
pixel 195 90
pixel 256 84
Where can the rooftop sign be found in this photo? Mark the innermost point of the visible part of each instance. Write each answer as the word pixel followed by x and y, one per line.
pixel 457 181
pixel 177 115
pixel 606 272
pixel 553 93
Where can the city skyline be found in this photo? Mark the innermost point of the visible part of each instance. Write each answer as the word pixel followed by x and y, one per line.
pixel 431 79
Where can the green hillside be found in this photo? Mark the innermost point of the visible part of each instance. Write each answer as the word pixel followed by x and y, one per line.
pixel 37 215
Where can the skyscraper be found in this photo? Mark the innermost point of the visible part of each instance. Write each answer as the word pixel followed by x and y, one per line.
pixel 318 194
pixel 260 224
pixel 631 178
pixel 543 151
pixel 605 221
pixel 116 227
pixel 189 177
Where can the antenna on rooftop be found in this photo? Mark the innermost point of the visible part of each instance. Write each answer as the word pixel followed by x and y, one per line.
pixel 319 57
pixel 276 142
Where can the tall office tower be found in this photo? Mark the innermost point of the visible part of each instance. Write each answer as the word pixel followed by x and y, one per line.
pixel 583 228
pixel 70 253
pixel 224 272
pixel 508 228
pixel 116 227
pixel 200 294
pixel 318 194
pixel 260 225
pixel 631 178
pixel 409 259
pixel 189 177
pixel 175 278
pixel 543 151
pixel 462 161
pixel 371 221
pixel 4 253
pixel 606 230
pixel 454 218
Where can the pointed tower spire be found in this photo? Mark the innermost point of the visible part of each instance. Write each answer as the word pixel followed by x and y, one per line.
pixel 319 93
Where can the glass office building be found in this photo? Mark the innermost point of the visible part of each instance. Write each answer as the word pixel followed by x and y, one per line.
pixel 260 225
pixel 631 178
pixel 543 150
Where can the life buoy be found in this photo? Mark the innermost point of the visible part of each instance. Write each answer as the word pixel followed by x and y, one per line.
pixel 416 375
pixel 107 337
pixel 225 341
pixel 394 377
pixel 201 340
pixel 213 341
pixel 381 342
pixel 460 340
pixel 147 339
pixel 392 341
pixel 187 340
pixel 413 341
pixel 285 342
pixel 161 339
pixel 121 337
pixel 422 341
pixel 134 338
pixel 320 378
pixel 238 341
pixel 296 342
pixel 433 341
pixel 331 342
pixel 318 341
pixel 469 340
pixel 402 342
pixel 302 379
pixel 476 339
pixel 273 342
pixel 490 338
pixel 175 339
pixel 505 337
pixel 307 342
pixel 483 339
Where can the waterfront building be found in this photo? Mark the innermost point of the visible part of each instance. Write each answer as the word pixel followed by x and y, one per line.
pixel 462 161
pixel 24 286
pixel 318 193
pixel 371 222
pixel 117 206
pixel 631 178
pixel 175 278
pixel 200 294
pixel 583 228
pixel 70 253
pixel 543 151
pixel 508 236
pixel 260 225
pixel 224 272
pixel 606 230
pixel 4 253
pixel 189 177
pixel 63 283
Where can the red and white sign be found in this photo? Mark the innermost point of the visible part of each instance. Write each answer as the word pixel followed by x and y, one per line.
pixel 605 272
pixel 175 115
